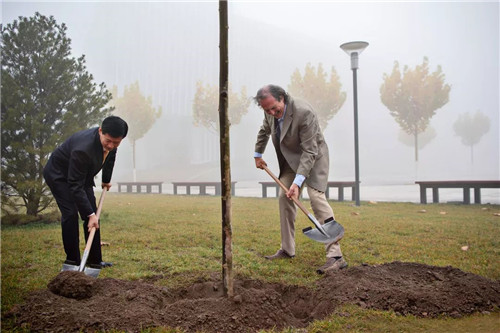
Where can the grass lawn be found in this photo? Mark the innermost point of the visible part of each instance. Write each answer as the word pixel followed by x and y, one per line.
pixel 176 240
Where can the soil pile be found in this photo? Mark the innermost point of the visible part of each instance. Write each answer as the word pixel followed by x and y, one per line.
pixel 406 288
pixel 72 284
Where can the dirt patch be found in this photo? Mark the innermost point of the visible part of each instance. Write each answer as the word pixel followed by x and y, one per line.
pixel 406 288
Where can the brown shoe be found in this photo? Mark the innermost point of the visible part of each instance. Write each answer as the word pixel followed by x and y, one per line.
pixel 279 255
pixel 331 265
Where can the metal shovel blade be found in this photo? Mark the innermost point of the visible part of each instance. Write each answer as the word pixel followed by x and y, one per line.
pixel 93 272
pixel 334 232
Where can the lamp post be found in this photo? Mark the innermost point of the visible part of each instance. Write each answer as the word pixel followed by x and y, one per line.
pixel 354 49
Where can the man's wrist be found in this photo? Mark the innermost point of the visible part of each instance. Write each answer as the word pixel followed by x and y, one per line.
pixel 299 180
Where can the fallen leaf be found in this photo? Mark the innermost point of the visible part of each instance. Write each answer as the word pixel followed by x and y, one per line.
pixel 496 214
pixel 422 211
pixel 465 248
pixel 442 213
pixel 354 213
pixel 104 244
pixel 372 202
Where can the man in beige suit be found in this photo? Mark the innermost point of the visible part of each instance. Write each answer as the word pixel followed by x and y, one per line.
pixel 303 159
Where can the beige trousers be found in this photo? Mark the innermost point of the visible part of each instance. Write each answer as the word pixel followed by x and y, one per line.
pixel 288 211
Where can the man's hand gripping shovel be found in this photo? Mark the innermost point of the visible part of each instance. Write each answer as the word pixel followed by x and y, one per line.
pixel 93 272
pixel 331 231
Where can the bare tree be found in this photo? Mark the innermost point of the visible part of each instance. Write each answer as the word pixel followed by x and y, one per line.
pixel 225 160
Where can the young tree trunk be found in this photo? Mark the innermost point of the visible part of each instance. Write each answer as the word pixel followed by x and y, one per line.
pixel 416 144
pixel 225 161
pixel 134 172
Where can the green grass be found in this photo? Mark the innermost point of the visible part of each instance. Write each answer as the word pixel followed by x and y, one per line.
pixel 176 240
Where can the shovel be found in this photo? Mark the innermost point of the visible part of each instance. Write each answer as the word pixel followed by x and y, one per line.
pixel 93 272
pixel 330 232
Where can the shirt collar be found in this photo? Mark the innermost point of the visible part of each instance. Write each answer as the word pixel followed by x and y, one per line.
pixel 283 116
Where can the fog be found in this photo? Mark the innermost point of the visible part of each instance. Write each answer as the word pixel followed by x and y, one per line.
pixel 169 46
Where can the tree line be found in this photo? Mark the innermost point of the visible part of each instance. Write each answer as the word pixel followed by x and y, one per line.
pixel 48 95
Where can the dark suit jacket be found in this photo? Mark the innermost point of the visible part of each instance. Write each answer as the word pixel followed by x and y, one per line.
pixel 77 161
pixel 301 142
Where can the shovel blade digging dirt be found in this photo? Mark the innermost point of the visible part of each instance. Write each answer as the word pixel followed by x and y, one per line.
pixel 93 272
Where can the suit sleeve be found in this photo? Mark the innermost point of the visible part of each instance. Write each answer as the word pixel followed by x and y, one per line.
pixel 308 143
pixel 263 137
pixel 79 166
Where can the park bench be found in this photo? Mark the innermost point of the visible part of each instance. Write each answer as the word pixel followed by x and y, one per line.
pixel 466 185
pixel 202 186
pixel 137 186
pixel 341 186
pixel 333 184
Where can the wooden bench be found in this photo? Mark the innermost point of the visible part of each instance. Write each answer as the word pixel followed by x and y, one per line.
pixel 466 185
pixel 266 185
pixel 202 186
pixel 138 186
pixel 339 185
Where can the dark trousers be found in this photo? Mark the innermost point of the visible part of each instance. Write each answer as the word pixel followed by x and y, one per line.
pixel 69 223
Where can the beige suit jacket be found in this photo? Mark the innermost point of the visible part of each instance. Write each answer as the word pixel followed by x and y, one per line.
pixel 301 142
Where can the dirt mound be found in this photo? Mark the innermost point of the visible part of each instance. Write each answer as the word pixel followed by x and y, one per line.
pixel 406 288
pixel 72 284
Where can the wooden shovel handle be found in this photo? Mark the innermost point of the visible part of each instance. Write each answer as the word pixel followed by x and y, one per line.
pixel 98 214
pixel 276 179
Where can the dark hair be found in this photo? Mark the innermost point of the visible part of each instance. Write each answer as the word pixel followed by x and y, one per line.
pixel 276 91
pixel 115 127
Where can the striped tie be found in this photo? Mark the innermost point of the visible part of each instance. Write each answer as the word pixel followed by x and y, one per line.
pixel 278 130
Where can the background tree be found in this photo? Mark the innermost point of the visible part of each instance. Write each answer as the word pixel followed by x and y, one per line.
pixel 471 129
pixel 206 99
pixel 414 97
pixel 423 139
pixel 137 110
pixel 46 96
pixel 325 96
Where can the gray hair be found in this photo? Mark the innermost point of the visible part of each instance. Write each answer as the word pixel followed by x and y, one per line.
pixel 276 91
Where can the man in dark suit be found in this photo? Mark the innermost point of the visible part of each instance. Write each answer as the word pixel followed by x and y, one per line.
pixel 70 173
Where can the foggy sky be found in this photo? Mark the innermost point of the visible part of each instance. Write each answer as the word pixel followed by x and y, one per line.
pixel 168 46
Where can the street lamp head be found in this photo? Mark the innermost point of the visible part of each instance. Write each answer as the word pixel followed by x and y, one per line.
pixel 354 49
pixel 351 47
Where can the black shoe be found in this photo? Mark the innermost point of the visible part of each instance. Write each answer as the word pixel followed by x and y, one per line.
pixel 102 265
pixel 71 262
